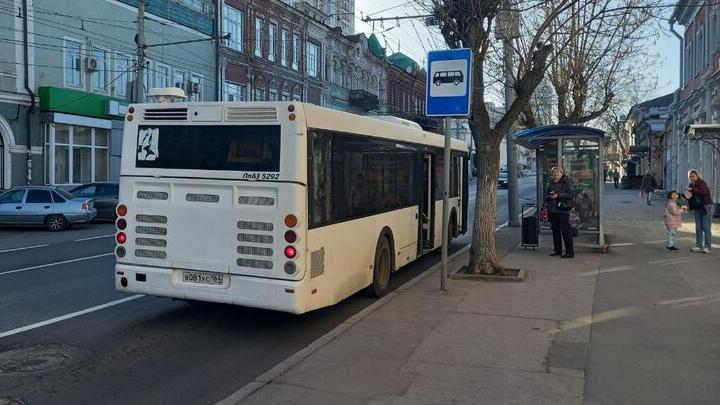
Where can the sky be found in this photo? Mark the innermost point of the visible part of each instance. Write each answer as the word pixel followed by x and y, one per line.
pixel 414 39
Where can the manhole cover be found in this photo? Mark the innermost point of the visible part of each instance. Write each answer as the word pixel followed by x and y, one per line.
pixel 34 358
pixel 11 401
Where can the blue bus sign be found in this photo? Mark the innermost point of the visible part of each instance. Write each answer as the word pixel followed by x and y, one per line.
pixel 449 83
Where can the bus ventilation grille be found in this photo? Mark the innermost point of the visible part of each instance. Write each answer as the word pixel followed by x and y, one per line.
pixel 252 200
pixel 255 264
pixel 165 114
pixel 254 251
pixel 250 114
pixel 152 195
pixel 151 230
pixel 255 226
pixel 252 238
pixel 317 263
pixel 204 198
pixel 151 219
pixel 151 242
pixel 150 254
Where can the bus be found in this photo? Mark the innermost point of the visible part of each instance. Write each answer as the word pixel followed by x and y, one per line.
pixel 285 206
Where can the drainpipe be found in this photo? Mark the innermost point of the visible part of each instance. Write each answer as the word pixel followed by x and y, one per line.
pixel 30 92
pixel 676 100
pixel 218 24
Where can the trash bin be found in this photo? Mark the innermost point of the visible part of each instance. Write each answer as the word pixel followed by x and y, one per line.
pixel 530 226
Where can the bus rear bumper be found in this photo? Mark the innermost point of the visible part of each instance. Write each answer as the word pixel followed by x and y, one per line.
pixel 277 295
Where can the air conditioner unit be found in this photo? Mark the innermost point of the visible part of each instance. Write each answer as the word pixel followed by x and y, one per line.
pixel 193 87
pixel 91 64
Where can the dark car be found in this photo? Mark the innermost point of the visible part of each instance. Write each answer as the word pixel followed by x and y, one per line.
pixel 105 196
pixel 44 205
pixel 503 179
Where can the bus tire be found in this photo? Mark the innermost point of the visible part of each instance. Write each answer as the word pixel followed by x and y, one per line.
pixel 382 267
pixel 452 227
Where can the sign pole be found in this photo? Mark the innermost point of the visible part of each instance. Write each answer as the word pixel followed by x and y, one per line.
pixel 448 91
pixel 446 208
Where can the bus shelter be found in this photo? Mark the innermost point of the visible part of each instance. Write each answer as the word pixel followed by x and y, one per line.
pixel 579 151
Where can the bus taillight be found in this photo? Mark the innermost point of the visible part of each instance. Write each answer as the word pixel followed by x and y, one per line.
pixel 291 221
pixel 121 210
pixel 290 237
pixel 121 237
pixel 290 252
pixel 121 224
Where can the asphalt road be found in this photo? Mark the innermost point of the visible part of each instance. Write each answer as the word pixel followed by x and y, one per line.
pixel 67 337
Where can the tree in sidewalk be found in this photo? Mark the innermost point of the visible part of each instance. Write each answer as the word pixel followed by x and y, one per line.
pixel 600 52
pixel 470 24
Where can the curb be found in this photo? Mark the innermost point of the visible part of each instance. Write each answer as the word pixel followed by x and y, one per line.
pixel 275 372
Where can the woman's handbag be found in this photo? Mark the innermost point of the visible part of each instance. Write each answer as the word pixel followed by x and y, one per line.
pixel 695 201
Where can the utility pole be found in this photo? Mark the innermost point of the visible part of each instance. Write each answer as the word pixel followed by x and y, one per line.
pixel 507 29
pixel 139 88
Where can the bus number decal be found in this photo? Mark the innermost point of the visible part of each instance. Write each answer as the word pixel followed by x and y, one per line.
pixel 261 176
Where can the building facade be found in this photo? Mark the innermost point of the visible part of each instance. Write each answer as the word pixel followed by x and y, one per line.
pixel 81 64
pixel 644 131
pixel 406 87
pixel 698 99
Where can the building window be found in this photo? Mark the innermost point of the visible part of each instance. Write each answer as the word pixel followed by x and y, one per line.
pixel 122 72
pixel 260 94
pixel 285 96
pixel 272 38
pixel 273 95
pixel 99 78
pixel 73 63
pixel 296 51
pixel 313 60
pixel 233 24
pixel 162 75
pixel 195 87
pixel 80 155
pixel 235 92
pixel 258 37
pixel 179 79
pixel 699 46
pixel 688 62
pixel 284 47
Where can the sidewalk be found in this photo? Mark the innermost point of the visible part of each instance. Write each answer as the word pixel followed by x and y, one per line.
pixel 529 342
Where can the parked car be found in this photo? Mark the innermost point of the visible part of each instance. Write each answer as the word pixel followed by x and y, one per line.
pixel 44 205
pixel 105 196
pixel 503 179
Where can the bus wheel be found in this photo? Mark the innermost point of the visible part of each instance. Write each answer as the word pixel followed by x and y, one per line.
pixel 382 268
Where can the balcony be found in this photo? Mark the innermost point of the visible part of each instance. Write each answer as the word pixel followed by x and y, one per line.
pixel 363 100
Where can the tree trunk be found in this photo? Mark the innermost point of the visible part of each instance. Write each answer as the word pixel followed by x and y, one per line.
pixel 483 259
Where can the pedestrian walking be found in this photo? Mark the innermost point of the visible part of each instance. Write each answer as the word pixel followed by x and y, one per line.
pixel 673 219
pixel 616 178
pixel 647 187
pixel 560 200
pixel 700 201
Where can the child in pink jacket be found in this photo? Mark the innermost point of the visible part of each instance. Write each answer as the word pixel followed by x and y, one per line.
pixel 673 219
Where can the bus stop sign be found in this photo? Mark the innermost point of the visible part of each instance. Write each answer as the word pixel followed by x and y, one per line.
pixel 449 83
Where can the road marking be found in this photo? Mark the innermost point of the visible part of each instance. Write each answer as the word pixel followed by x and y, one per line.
pixel 56 263
pixel 69 316
pixel 94 237
pixel 23 248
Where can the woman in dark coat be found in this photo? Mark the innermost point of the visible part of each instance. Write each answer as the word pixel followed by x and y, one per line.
pixel 648 186
pixel 703 216
pixel 559 203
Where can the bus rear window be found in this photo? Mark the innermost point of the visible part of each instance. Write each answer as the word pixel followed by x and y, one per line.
pixel 209 147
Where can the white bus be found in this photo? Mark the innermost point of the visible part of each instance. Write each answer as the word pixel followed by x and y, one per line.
pixel 279 205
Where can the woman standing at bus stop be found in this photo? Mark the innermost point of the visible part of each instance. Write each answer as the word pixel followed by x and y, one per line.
pixel 559 200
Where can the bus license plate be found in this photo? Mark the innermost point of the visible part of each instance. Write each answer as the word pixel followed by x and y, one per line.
pixel 203 278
